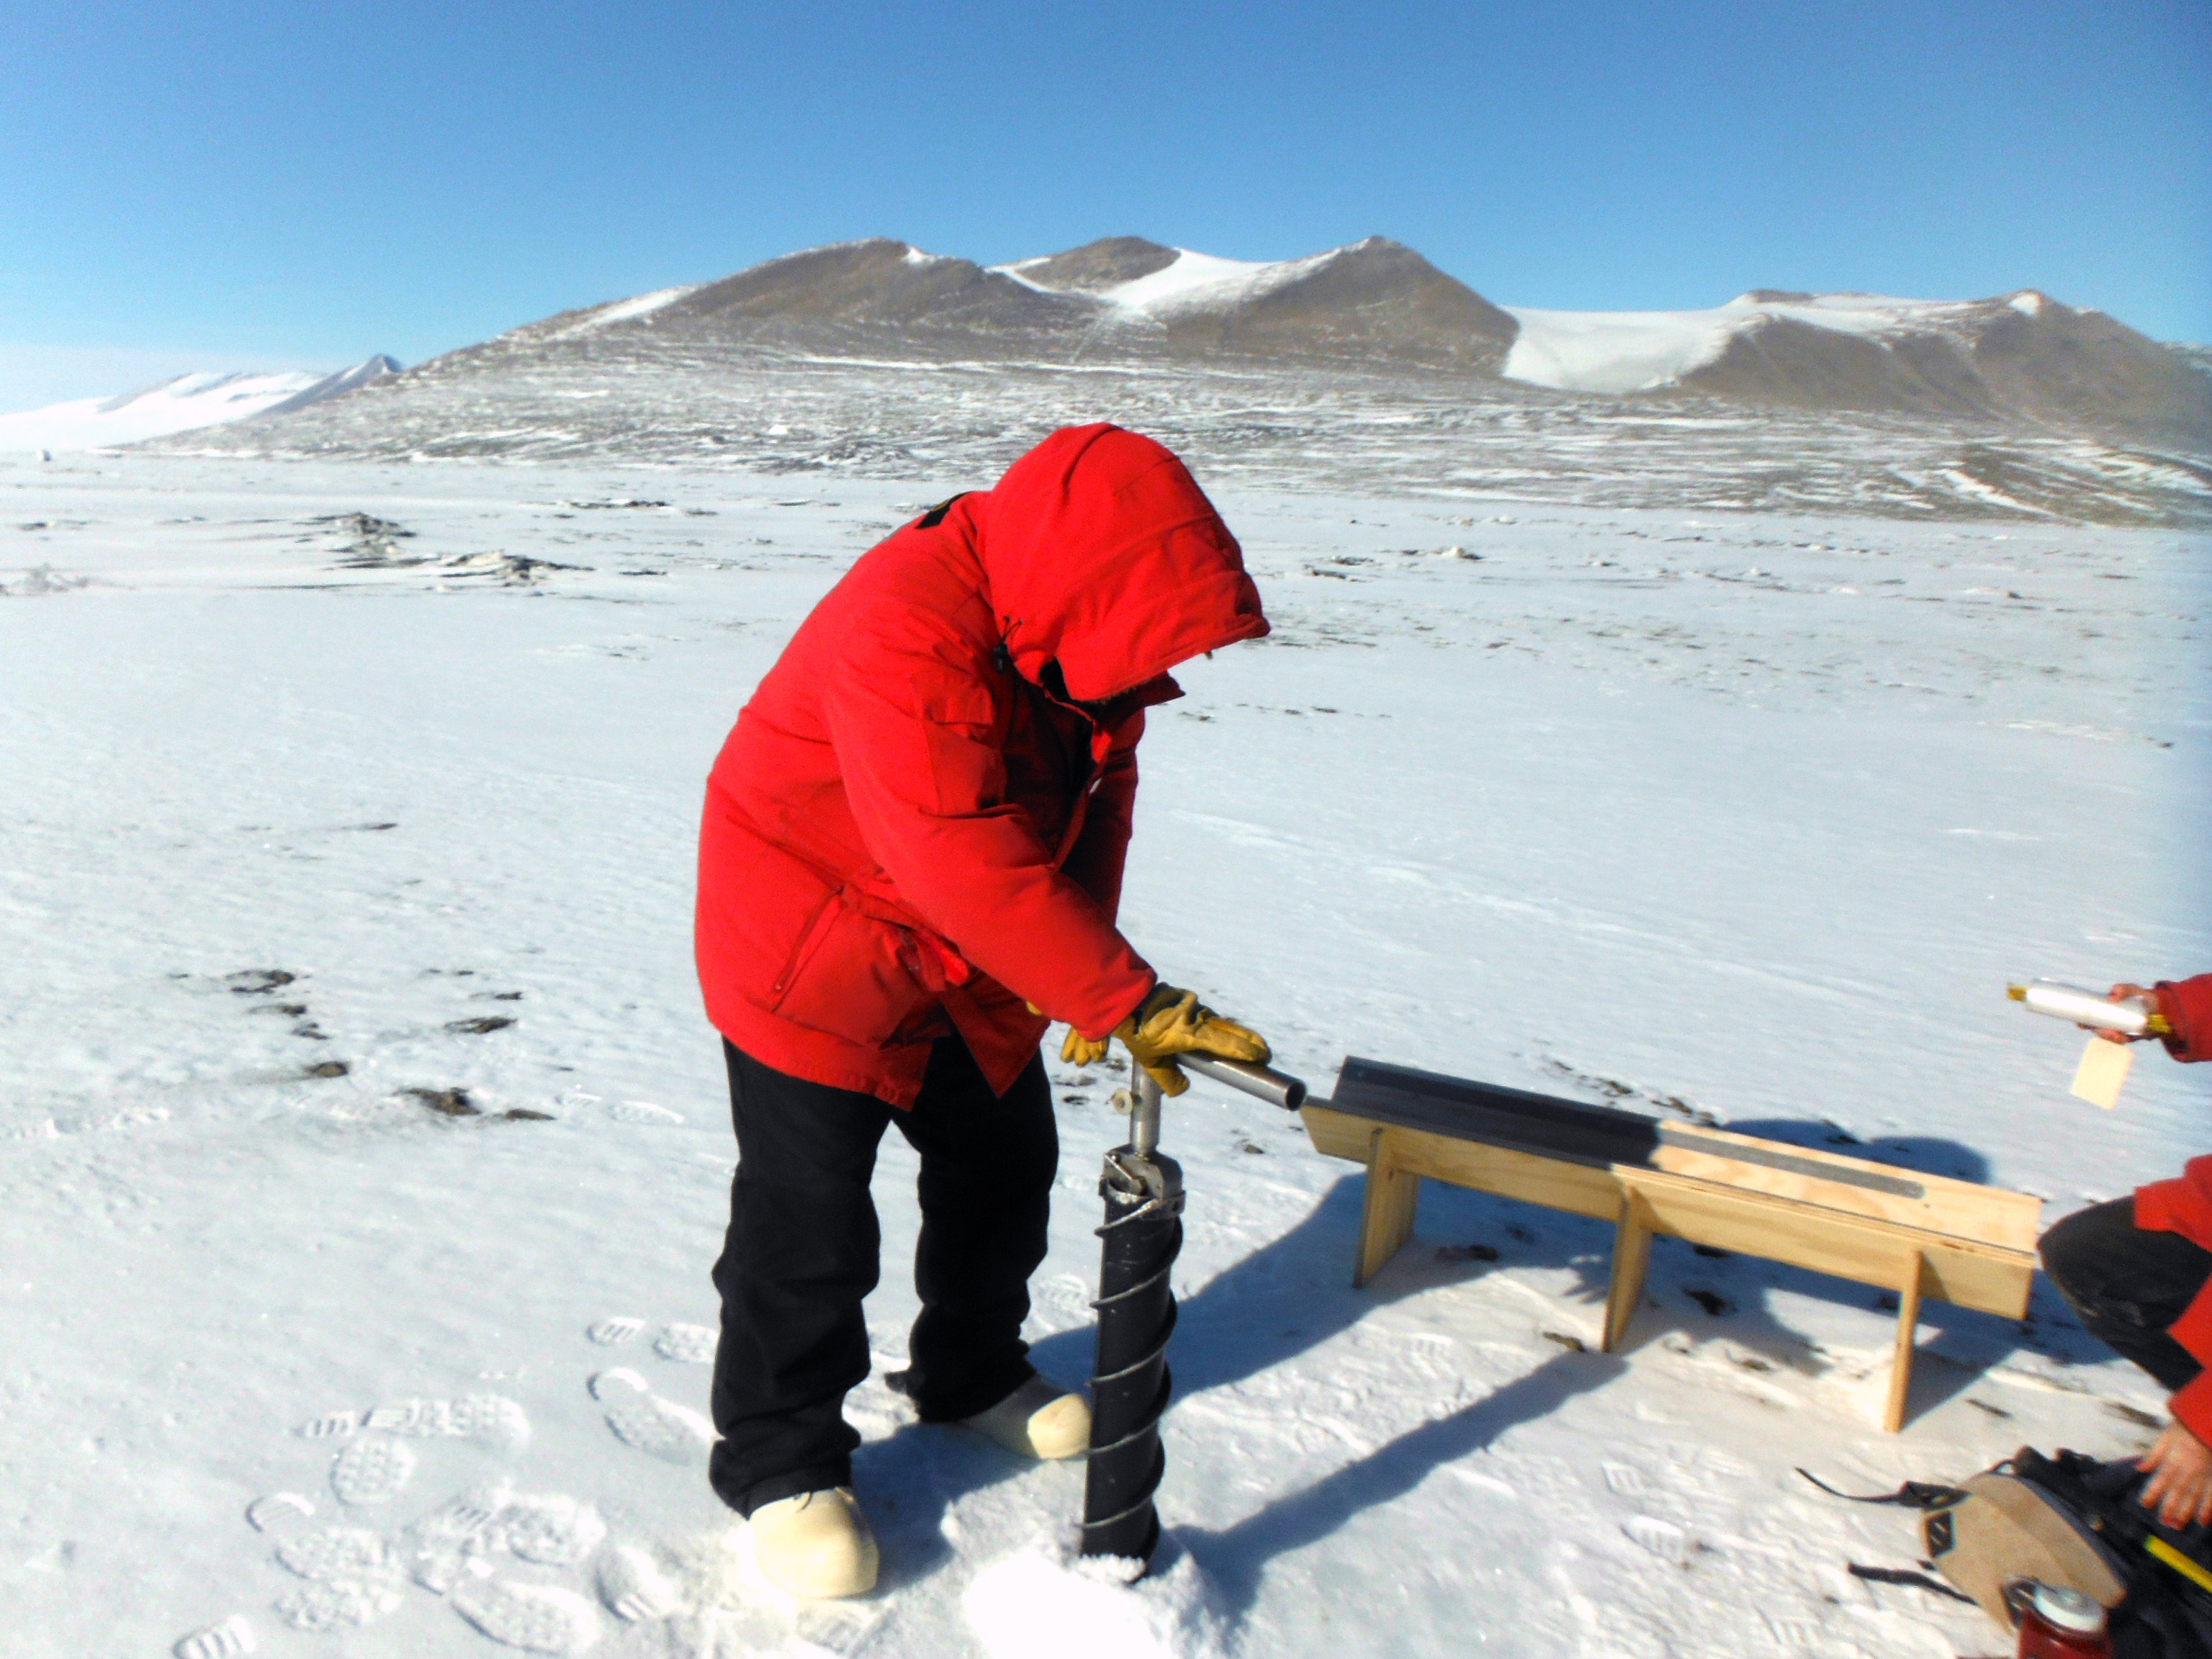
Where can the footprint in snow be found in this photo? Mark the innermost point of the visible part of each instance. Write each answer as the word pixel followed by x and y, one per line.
pixel 335 1554
pixel 689 1345
pixel 337 1607
pixel 278 1509
pixel 492 1418
pixel 354 1576
pixel 537 1617
pixel 659 1428
pixel 552 1531
pixel 443 1546
pixel 370 1471
pixel 226 1640
pixel 352 1579
pixel 642 1111
pixel 53 1129
pixel 487 1417
pixel 1624 1479
pixel 1662 1538
pixel 635 1588
pixel 609 1332
pixel 1797 1635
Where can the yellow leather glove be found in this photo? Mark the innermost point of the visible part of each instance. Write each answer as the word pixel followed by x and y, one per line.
pixel 1076 1048
pixel 1171 1021
pixel 1080 1050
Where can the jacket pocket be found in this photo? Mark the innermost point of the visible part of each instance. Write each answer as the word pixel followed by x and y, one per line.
pixel 809 941
pixel 847 979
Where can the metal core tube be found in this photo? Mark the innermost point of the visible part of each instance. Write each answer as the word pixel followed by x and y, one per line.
pixel 2131 1016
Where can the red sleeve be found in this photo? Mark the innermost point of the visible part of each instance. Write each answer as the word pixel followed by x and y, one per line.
pixel 1101 850
pixel 2184 1205
pixel 2187 1006
pixel 927 785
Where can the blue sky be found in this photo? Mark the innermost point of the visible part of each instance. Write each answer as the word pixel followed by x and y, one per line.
pixel 237 185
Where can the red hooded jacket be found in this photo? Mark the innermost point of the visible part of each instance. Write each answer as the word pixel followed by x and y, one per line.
pixel 914 827
pixel 2183 1205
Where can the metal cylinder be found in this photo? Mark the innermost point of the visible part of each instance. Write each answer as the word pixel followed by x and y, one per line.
pixel 2046 996
pixel 1276 1088
pixel 1130 1383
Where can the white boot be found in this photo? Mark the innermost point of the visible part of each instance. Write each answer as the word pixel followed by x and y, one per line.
pixel 1038 1419
pixel 816 1544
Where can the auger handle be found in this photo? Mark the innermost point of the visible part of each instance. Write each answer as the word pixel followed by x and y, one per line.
pixel 1276 1088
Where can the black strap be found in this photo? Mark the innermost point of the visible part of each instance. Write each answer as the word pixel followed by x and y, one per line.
pixel 1915 1580
pixel 1912 1495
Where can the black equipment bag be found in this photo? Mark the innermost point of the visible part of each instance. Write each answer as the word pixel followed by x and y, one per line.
pixel 2067 1519
pixel 2166 1612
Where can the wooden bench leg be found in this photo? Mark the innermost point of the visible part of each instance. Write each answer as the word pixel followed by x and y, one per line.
pixel 1908 1330
pixel 1631 1257
pixel 1387 1217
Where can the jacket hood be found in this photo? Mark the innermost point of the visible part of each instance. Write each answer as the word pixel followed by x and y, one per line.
pixel 1103 555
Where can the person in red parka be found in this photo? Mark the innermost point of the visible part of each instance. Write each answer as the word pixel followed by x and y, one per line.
pixel 2138 1273
pixel 910 865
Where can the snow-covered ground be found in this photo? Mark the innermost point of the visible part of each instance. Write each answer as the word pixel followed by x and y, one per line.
pixel 341 796
pixel 185 403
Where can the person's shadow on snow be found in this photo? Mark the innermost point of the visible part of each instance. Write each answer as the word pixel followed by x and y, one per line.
pixel 1290 1295
pixel 1295 1292
pixel 1235 1557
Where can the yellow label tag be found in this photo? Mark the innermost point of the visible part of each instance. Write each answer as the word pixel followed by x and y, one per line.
pixel 2104 1068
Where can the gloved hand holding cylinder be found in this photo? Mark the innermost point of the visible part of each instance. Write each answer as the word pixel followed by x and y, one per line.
pixel 1172 1022
pixel 2131 1016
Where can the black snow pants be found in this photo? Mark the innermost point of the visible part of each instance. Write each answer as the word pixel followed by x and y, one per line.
pixel 2127 1284
pixel 802 1252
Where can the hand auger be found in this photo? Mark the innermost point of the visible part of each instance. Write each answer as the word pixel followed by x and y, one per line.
pixel 1130 1383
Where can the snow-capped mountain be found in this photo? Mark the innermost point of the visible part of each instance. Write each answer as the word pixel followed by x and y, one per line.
pixel 1370 302
pixel 182 404
pixel 2021 358
pixel 1358 364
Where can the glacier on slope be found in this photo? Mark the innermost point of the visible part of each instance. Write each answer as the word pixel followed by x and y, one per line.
pixel 185 403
